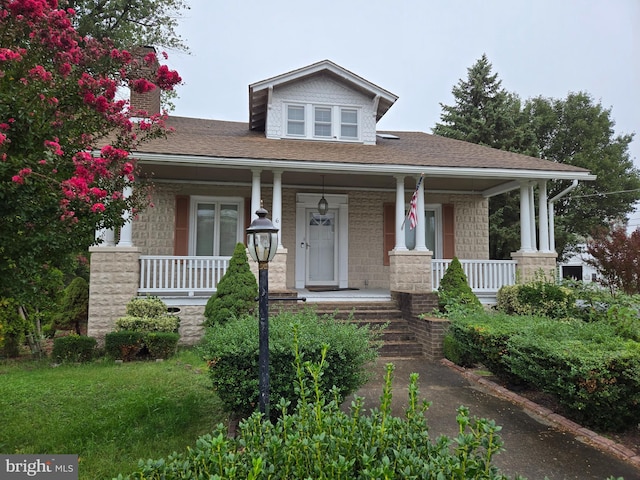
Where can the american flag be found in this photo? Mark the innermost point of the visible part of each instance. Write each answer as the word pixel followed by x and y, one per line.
pixel 413 207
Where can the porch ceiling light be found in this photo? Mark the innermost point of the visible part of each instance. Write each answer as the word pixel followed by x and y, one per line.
pixel 323 205
pixel 262 238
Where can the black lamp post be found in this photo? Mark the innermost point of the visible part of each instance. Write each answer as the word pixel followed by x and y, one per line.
pixel 262 242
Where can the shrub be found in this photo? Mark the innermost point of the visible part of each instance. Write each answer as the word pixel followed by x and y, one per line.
pixel 149 307
pixel 319 440
pixel 484 338
pixel 123 345
pixel 73 348
pixel 13 328
pixel 163 323
pixel 161 344
pixel 454 289
pixel 538 297
pixel 232 353
pixel 74 307
pixel 593 372
pixel 236 291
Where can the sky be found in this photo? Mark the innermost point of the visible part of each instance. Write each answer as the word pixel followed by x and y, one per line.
pixel 416 49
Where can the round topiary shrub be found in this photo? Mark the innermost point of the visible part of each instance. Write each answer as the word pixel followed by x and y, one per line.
pixel 236 291
pixel 454 289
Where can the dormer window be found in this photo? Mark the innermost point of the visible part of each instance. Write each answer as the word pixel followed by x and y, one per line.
pixel 327 122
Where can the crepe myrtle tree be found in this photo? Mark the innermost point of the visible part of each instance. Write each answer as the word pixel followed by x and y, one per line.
pixel 65 139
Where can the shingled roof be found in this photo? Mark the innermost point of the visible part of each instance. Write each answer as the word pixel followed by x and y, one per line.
pixel 234 140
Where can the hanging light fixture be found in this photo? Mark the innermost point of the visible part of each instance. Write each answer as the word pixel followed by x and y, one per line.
pixel 323 205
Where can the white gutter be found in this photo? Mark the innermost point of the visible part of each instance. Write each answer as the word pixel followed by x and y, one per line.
pixel 380 169
pixel 552 233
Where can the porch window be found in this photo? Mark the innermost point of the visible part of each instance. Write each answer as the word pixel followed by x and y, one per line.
pixel 433 220
pixel 216 225
pixel 295 120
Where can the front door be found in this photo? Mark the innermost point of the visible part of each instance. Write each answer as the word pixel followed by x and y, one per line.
pixel 321 246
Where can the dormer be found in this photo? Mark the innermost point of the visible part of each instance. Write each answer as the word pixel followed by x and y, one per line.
pixel 320 102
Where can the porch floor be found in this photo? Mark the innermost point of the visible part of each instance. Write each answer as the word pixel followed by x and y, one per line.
pixel 369 295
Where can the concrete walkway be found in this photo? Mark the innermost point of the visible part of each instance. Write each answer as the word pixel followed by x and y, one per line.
pixel 537 443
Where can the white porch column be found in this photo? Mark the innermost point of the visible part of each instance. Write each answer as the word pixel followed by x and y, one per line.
pixel 525 221
pixel 255 193
pixel 127 229
pixel 107 235
pixel 543 216
pixel 421 240
pixel 532 217
pixel 276 210
pixel 400 242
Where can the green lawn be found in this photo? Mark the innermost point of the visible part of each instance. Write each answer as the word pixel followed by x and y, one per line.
pixel 110 414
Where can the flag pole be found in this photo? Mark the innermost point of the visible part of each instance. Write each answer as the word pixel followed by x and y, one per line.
pixel 415 191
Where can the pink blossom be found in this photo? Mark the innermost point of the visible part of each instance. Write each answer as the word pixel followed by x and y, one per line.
pixel 142 85
pixel 97 207
pixel 3 137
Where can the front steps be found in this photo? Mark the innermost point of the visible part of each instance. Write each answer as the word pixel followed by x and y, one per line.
pixel 398 340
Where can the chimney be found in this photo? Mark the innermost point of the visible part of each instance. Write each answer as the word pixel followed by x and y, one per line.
pixel 148 101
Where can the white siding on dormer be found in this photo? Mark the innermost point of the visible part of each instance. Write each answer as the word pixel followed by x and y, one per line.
pixel 320 90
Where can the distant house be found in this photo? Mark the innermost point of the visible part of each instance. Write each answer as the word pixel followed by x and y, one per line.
pixel 311 135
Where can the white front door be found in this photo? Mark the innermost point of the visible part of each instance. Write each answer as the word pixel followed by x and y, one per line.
pixel 321 246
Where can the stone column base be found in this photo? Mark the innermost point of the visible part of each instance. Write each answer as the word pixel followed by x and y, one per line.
pixel 410 271
pixel 535 266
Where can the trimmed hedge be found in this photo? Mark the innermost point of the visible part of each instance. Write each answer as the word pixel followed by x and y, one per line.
pixel 591 370
pixel 123 345
pixel 73 348
pixel 161 345
pixel 232 353
pixel 162 323
pixel 594 373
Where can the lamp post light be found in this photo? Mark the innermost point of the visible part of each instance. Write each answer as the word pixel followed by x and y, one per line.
pixel 262 242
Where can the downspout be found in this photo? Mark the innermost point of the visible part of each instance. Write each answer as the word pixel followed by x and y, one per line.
pixel 552 234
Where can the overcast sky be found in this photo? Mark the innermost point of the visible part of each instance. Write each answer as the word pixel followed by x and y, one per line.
pixel 416 49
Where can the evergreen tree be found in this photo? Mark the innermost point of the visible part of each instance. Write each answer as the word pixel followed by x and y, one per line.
pixel 236 292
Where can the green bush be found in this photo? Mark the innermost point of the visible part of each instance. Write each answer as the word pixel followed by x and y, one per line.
pixel 232 353
pixel 538 297
pixel 146 307
pixel 124 345
pixel 73 348
pixel 454 289
pixel 163 323
pixel 74 307
pixel 161 344
pixel 319 440
pixel 483 338
pixel 236 291
pixel 594 373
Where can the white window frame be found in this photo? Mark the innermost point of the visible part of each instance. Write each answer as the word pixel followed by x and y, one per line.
pixel 309 123
pixel 218 201
pixel 437 209
pixel 296 121
pixel 316 122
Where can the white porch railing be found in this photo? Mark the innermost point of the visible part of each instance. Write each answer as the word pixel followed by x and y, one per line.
pixel 484 276
pixel 181 275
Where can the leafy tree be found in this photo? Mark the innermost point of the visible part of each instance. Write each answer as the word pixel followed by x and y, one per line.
pixel 130 22
pixel 578 131
pixel 236 292
pixel 64 140
pixel 574 130
pixel 616 256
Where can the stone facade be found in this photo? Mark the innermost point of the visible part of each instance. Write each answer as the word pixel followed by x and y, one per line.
pixel 471 226
pixel 115 276
pixel 410 271
pixel 535 266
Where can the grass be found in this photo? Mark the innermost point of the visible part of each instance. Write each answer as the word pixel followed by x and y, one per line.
pixel 109 414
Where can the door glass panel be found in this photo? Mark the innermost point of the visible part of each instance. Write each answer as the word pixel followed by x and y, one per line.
pixel 228 228
pixel 321 251
pixel 205 228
